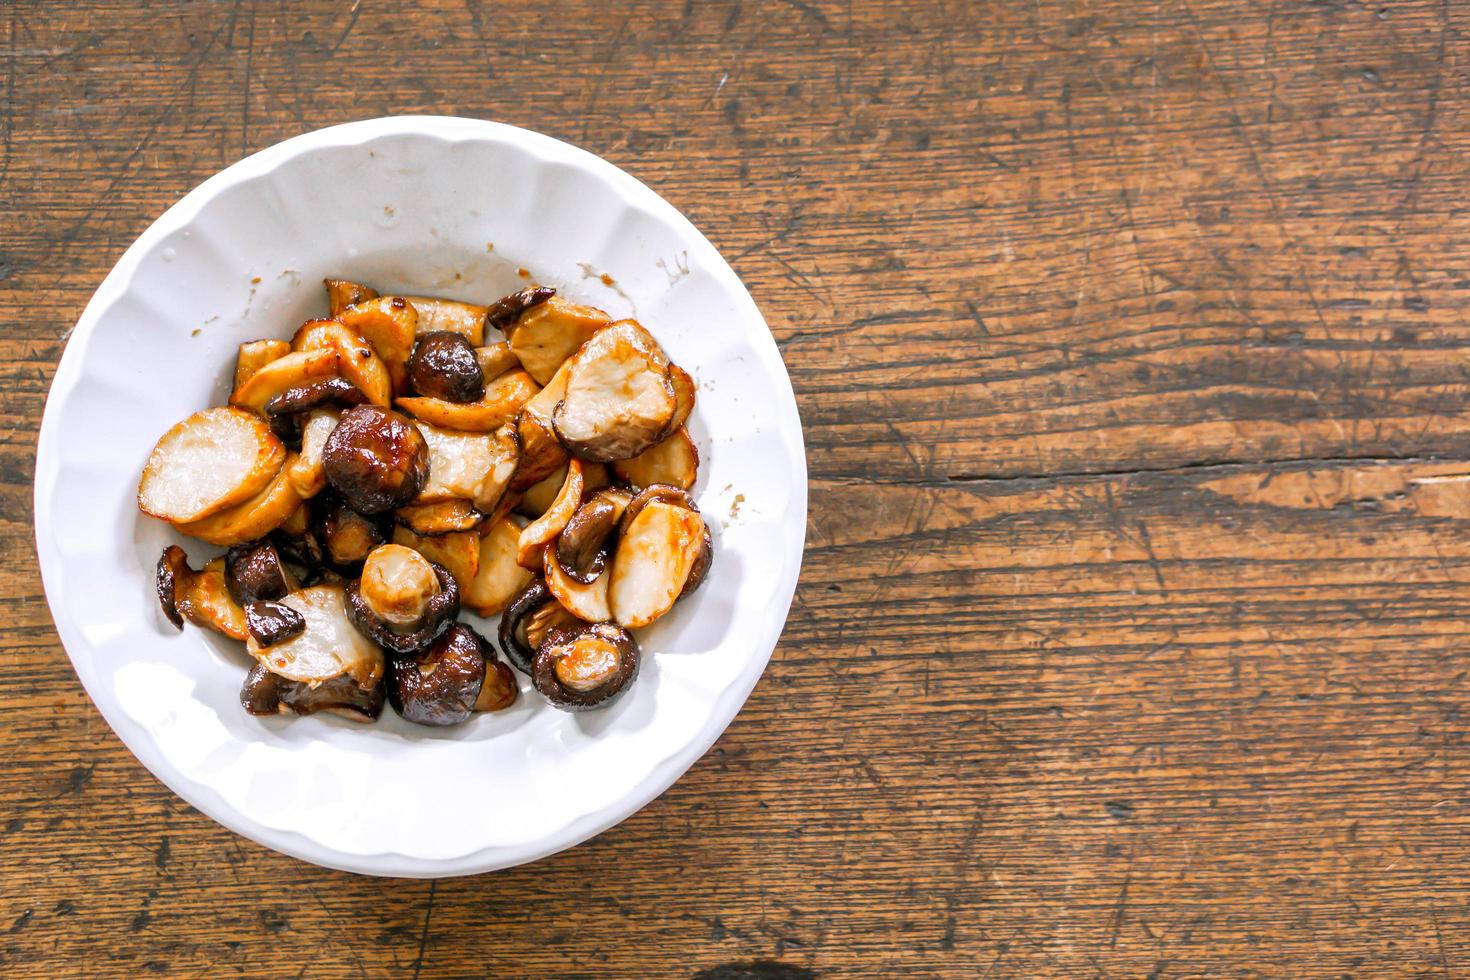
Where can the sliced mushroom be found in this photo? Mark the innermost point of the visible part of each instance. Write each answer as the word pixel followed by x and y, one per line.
pixel 585 668
pixel 585 600
pixel 619 399
pixel 501 402
pixel 307 473
pixel 552 331
pixel 342 293
pixel 376 459
pixel 256 354
pixel 254 571
pixel 451 316
pixel 504 311
pixel 529 619
pixel 550 524
pixel 208 463
pixel 660 546
pixel 330 646
pixel 498 576
pixel 403 601
pixel 328 391
pixel 497 359
pixel 541 451
pixel 458 552
pixel 541 494
pixel 442 517
pixel 477 467
pixel 388 324
pixel 683 397
pixel 441 685
pixel 346 537
pixel 499 690
pixel 168 581
pixel 295 370
pixel 357 363
pixel 255 518
pixel 674 462
pixel 265 693
pixel 205 601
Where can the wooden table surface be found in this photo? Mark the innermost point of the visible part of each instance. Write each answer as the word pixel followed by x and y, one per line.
pixel 1130 343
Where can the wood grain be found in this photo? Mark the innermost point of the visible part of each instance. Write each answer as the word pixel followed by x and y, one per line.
pixel 1130 343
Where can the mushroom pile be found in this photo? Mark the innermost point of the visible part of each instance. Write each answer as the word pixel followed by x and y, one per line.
pixel 395 464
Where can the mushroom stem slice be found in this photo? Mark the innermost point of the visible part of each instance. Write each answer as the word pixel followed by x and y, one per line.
pixel 499 576
pixel 255 518
pixel 388 324
pixel 586 601
pixel 501 403
pixel 659 549
pixel 674 462
pixel 619 398
pixel 550 332
pixel 342 293
pixel 330 646
pixel 295 370
pixel 256 354
pixel 205 601
pixel 550 524
pixel 208 463
pixel 465 319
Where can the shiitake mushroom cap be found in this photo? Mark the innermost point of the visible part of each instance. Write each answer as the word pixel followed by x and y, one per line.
pixel 441 685
pixel 605 652
pixel 254 571
pixel 439 613
pixel 266 693
pixel 376 459
pixel 443 365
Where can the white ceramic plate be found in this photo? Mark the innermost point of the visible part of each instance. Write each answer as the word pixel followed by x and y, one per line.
pixel 434 205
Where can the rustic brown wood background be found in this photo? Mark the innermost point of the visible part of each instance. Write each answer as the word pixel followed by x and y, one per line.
pixel 1130 339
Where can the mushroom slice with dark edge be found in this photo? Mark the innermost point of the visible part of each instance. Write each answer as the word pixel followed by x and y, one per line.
pixel 173 571
pixel 307 473
pixel 674 462
pixel 472 466
pixel 357 362
pixel 443 365
pixel 499 690
pixel 256 354
pixel 342 293
pixel 541 451
pixel 663 541
pixel 208 463
pixel 441 685
pixel 327 391
pixel 346 537
pixel 498 577
pixel 550 524
pixel 506 310
pixel 584 544
pixel 683 397
pixel 499 403
pixel 551 332
pixel 585 668
pixel 389 325
pixel 330 646
pixel 376 459
pixel 254 571
pixel 442 517
pixel 295 370
pixel 585 600
pixel 531 617
pixel 402 601
pixel 619 400
pixel 497 359
pixel 201 597
pixel 265 693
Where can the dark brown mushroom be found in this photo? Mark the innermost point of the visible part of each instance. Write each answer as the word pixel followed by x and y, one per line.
pixel 505 311
pixel 586 542
pixel 499 690
pixel 443 365
pixel 585 668
pixel 346 536
pixel 376 459
pixel 700 568
pixel 273 622
pixel 173 570
pixel 402 624
pixel 255 571
pixel 528 619
pixel 265 693
pixel 657 491
pixel 303 398
pixel 442 684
